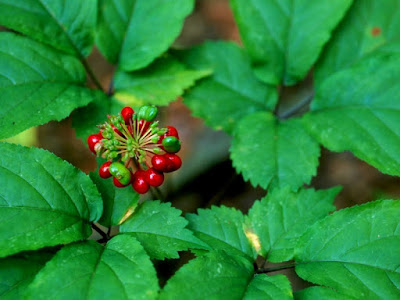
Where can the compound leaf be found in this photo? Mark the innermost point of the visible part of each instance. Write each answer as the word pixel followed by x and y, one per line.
pixel 161 230
pixel 269 288
pixel 37 84
pixel 119 270
pixel 269 152
pixel 285 37
pixel 232 92
pixel 44 201
pixel 280 218
pixel 355 251
pixel 67 25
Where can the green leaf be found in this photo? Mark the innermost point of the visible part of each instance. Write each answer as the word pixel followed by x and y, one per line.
pixel 118 203
pixel 265 287
pixel 269 152
pixel 320 292
pixel 232 92
pixel 44 201
pixel 355 251
pixel 88 270
pixel 133 33
pixel 37 84
pixel 364 103
pixel 370 27
pixel 161 230
pixel 67 25
pixel 17 272
pixel 280 218
pixel 159 84
pixel 285 37
pixel 215 275
pixel 223 229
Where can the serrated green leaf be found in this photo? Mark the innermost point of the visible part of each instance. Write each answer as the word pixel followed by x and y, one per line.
pixel 133 33
pixel 320 292
pixel 355 251
pixel 232 92
pixel 67 25
pixel 223 229
pixel 280 218
pixel 265 287
pixel 44 201
pixel 269 152
pixel 371 26
pixel 37 84
pixel 285 37
pixel 215 275
pixel 118 203
pixel 88 270
pixel 358 110
pixel 159 84
pixel 17 272
pixel 161 230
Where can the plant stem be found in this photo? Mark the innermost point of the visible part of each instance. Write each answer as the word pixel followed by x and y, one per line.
pixel 91 74
pixel 267 270
pixel 296 107
pixel 101 232
pixel 157 194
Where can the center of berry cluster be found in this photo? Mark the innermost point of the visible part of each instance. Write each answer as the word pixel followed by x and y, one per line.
pixel 138 152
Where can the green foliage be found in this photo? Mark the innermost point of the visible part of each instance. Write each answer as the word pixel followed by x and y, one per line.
pixel 269 288
pixel 44 200
pixel 132 33
pixel 161 230
pixel 285 37
pixel 361 265
pixel 320 292
pixel 280 218
pixel 91 271
pixel 269 152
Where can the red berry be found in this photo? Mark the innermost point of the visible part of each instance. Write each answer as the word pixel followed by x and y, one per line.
pixel 116 130
pixel 161 163
pixel 143 125
pixel 153 177
pixel 119 184
pixel 175 159
pixel 170 132
pixel 104 170
pixel 92 140
pixel 139 184
pixel 127 113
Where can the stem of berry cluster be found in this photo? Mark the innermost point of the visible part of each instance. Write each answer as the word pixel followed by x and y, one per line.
pixel 267 270
pixel 105 236
pixel 91 74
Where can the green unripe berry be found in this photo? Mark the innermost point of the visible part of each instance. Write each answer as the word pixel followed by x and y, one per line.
pixel 171 144
pixel 120 172
pixel 148 113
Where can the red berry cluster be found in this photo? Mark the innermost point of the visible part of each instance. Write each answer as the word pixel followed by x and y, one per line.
pixel 138 152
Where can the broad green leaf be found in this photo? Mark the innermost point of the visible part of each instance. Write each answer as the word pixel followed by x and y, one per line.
pixel 37 84
pixel 133 33
pixel 88 270
pixel 280 218
pixel 358 110
pixel 371 26
pixel 17 272
pixel 223 229
pixel 215 275
pixel 232 92
pixel 67 25
pixel 355 251
pixel 159 84
pixel 269 152
pixel 44 201
pixel 285 37
pixel 265 287
pixel 161 230
pixel 320 292
pixel 118 203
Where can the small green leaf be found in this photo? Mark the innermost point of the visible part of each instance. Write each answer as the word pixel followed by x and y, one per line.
pixel 133 33
pixel 320 292
pixel 358 109
pixel 269 152
pixel 88 270
pixel 355 251
pixel 265 287
pixel 158 84
pixel 37 84
pixel 67 25
pixel 161 230
pixel 232 92
pixel 281 217
pixel 223 229
pixel 215 275
pixel 285 37
pixel 371 26
pixel 44 201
